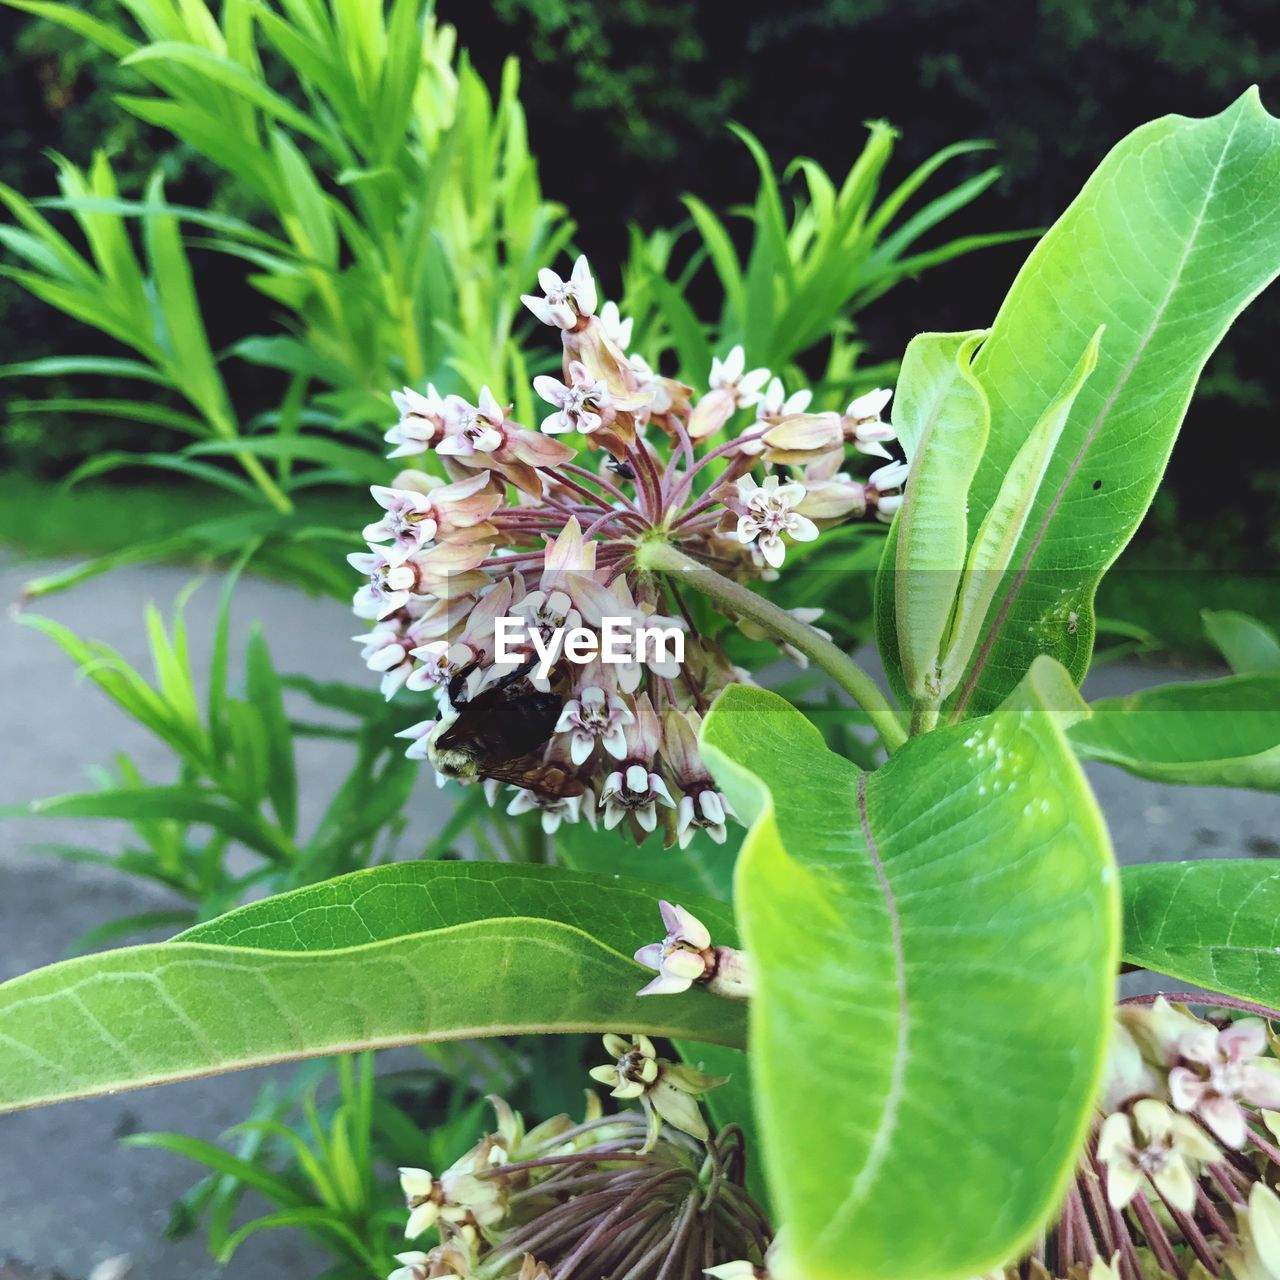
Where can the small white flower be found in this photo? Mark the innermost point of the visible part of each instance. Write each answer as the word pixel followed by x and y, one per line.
pixel 740 1270
pixel 773 404
pixel 548 612
pixel 683 957
pixel 414 1265
pixel 579 406
pixel 767 512
pixel 423 1196
pixel 419 735
pixel 408 523
pixel 389 585
pixel 616 329
pixel 555 809
pixel 728 375
pixel 893 476
pixel 421 421
pixel 564 301
pixel 439 662
pixel 864 425
pixel 634 791
pixel 704 810
pixel 1157 1144
pixel 1231 1065
pixel 595 717
pixel 471 429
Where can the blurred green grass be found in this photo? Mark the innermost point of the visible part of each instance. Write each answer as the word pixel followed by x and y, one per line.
pixel 44 520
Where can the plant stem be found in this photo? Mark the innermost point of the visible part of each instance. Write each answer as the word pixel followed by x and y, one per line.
pixel 924 716
pixel 661 557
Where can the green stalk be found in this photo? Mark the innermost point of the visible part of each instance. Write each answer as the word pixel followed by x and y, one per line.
pixel 658 556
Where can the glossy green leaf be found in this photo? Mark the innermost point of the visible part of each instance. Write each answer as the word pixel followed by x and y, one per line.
pixel 942 418
pixel 1214 924
pixel 993 545
pixel 1249 646
pixel 1172 236
pixel 399 954
pixel 703 868
pixel 1223 733
pixel 935 946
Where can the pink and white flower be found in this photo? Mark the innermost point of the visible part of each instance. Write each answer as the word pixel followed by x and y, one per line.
pixel 471 428
pixel 554 809
pixel 581 406
pixel 864 428
pixel 389 585
pixel 634 792
pixel 421 422
pixel 438 663
pixel 564 301
pixel 592 718
pixel 767 511
pixel 1227 1068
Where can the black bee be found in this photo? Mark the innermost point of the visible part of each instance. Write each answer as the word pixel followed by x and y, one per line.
pixel 620 467
pixel 500 734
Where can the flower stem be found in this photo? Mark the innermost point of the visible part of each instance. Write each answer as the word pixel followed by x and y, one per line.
pixel 658 556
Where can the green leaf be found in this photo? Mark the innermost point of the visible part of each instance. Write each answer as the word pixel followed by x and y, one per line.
pixel 399 954
pixel 1212 733
pixel 993 545
pixel 702 868
pixel 1169 240
pixel 267 697
pixel 1249 647
pixel 942 418
pixel 179 803
pixel 1214 924
pixel 925 1058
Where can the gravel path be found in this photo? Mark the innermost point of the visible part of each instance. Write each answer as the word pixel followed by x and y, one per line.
pixel 70 1197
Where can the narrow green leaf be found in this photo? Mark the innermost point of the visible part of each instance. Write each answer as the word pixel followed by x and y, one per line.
pixel 267 697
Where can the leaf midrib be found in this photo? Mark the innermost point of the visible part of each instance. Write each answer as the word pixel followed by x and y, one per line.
pixel 882 1139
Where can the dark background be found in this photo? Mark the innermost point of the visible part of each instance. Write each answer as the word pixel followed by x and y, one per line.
pixel 627 103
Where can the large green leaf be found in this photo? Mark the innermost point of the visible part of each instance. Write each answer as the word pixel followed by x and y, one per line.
pixel 395 955
pixel 1214 924
pixel 1177 230
pixel 935 946
pixel 703 868
pixel 1223 733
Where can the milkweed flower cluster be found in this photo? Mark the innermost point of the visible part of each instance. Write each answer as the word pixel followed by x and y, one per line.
pixel 543 523
pixel 609 1196
pixel 1178 1173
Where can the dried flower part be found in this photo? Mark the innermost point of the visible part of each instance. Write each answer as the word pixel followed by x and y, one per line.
pixel 542 526
pixel 1161 1193
pixel 603 1197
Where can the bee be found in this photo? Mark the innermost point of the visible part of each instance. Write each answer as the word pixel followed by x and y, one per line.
pixel 499 733
pixel 622 468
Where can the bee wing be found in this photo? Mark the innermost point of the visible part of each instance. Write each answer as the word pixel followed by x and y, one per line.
pixel 533 774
